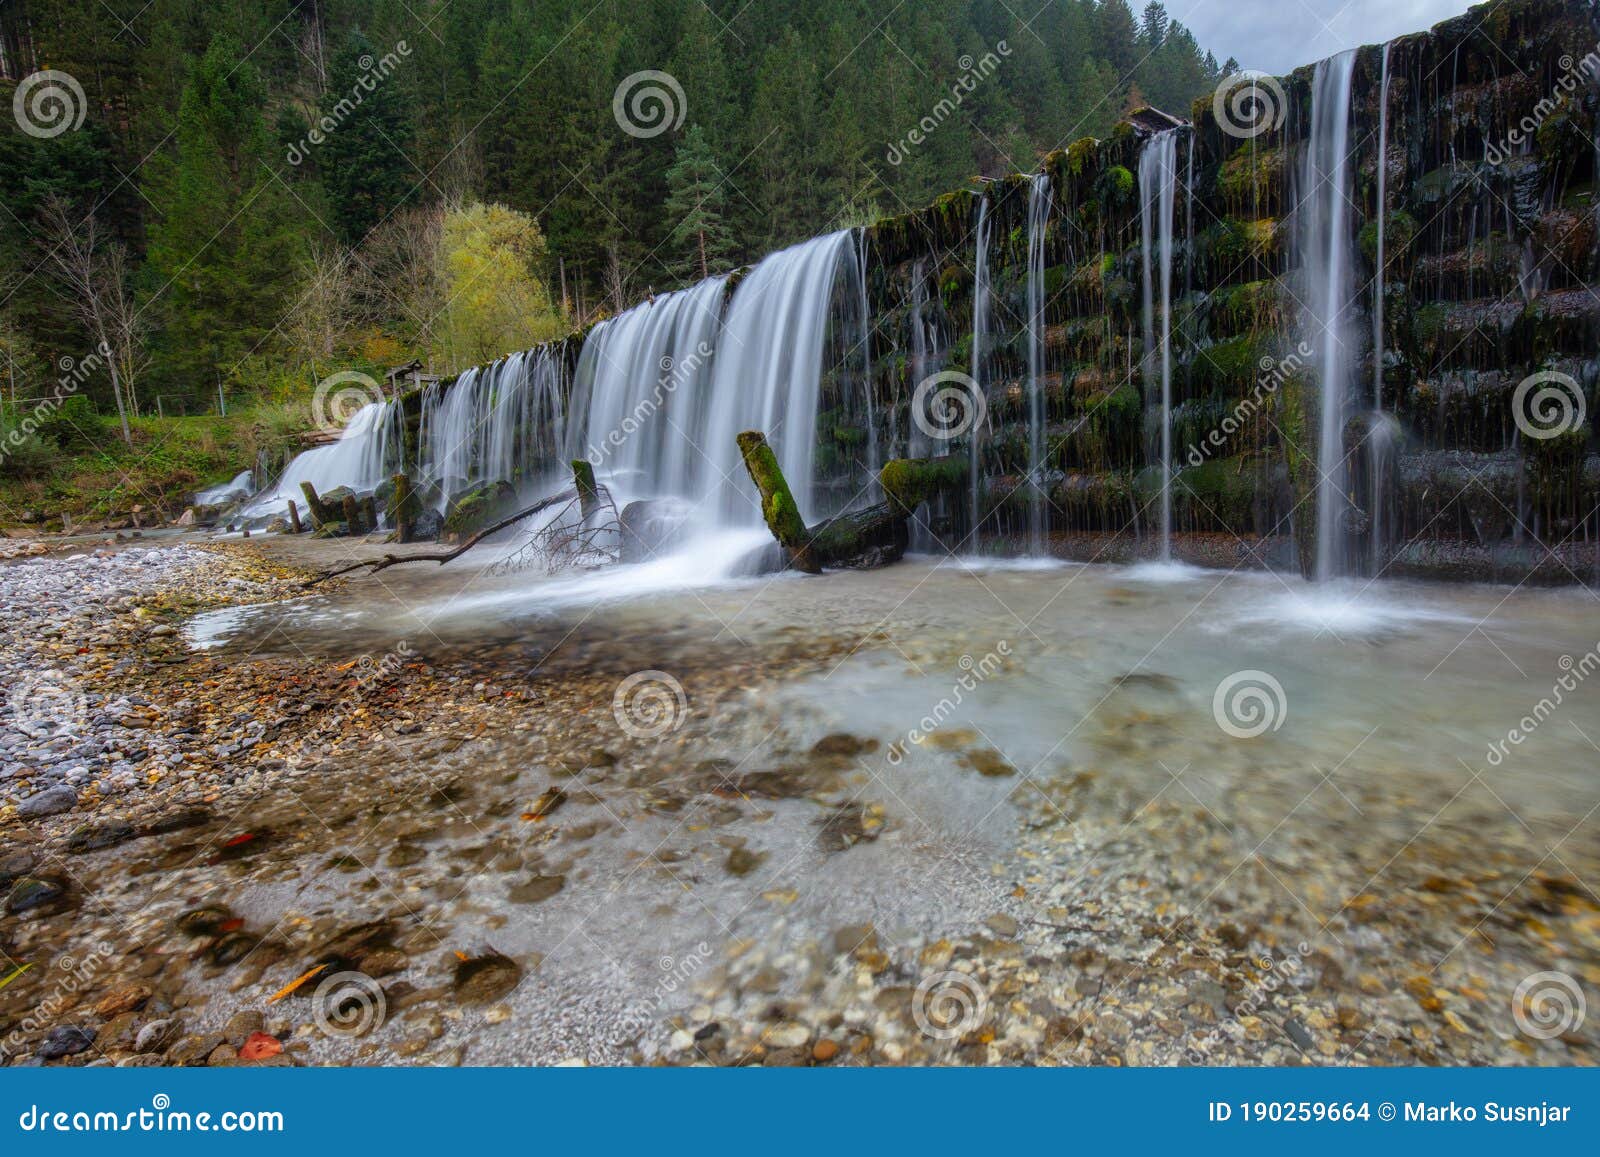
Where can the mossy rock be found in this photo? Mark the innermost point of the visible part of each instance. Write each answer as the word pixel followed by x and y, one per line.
pixel 478 508
pixel 1252 177
pixel 909 482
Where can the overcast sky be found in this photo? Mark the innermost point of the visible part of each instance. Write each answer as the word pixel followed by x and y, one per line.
pixel 1276 36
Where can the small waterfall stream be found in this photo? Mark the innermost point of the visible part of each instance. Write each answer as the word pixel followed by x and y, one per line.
pixel 980 336
pixel 1158 180
pixel 1327 245
pixel 1383 430
pixel 1038 222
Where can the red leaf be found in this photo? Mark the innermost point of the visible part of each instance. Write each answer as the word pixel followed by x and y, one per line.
pixel 259 1047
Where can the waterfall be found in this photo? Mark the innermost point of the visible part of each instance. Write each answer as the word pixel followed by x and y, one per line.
pixel 768 370
pixel 1158 179
pixel 1327 259
pixel 640 391
pixel 921 442
pixel 874 463
pixel 366 454
pixel 1038 220
pixel 980 334
pixel 1380 446
pixel 500 422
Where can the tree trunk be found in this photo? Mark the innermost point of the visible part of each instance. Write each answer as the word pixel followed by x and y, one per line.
pixel 777 503
pixel 588 492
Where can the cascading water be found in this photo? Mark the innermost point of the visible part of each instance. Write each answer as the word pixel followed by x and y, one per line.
pixel 980 336
pixel 874 463
pixel 639 394
pixel 366 454
pixel 1038 221
pixel 768 372
pixel 1327 251
pixel 496 423
pixel 1158 180
pixel 1382 430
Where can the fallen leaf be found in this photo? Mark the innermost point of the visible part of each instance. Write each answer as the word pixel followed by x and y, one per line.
pixel 294 984
pixel 259 1046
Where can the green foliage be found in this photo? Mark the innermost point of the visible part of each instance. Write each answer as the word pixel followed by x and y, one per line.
pixel 362 162
pixel 698 204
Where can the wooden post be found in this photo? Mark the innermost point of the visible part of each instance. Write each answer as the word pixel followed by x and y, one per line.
pixel 588 491
pixel 777 502
pixel 401 514
pixel 352 515
pixel 369 514
pixel 314 507
pixel 294 517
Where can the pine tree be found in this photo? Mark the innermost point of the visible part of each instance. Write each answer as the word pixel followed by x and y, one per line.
pixel 225 239
pixel 696 204
pixel 363 161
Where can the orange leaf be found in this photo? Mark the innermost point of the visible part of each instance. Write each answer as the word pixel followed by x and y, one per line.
pixel 294 984
pixel 259 1046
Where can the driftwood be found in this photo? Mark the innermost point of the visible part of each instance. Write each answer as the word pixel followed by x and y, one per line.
pixel 373 566
pixel 862 538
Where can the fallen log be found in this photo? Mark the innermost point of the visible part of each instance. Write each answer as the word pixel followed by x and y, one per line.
pixel 875 536
pixel 374 565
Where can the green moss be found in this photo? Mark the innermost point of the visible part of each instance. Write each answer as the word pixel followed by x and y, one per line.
pixel 909 482
pixel 1252 176
pixel 1115 186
